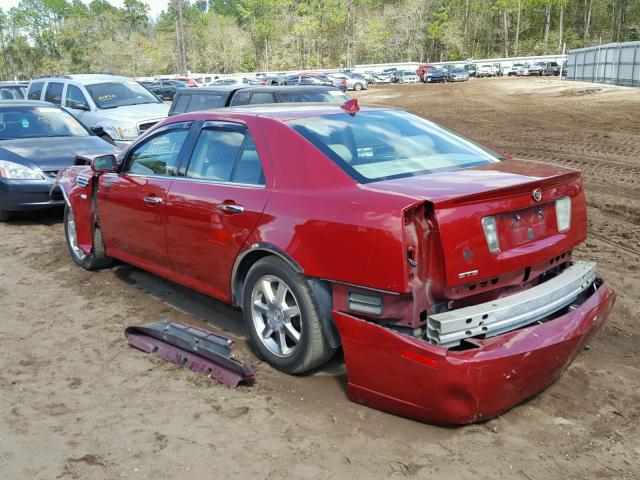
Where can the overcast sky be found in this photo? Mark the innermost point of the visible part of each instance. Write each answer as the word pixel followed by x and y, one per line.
pixel 155 6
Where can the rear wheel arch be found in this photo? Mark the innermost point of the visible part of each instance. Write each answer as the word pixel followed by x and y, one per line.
pixel 321 289
pixel 245 261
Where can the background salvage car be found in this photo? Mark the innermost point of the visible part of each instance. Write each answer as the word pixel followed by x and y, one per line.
pixel 38 139
pixel 166 89
pixel 440 265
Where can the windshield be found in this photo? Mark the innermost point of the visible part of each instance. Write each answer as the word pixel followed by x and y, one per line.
pixel 380 145
pixel 34 122
pixel 458 70
pixel 120 94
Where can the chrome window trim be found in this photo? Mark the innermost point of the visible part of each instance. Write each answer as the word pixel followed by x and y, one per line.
pixel 182 178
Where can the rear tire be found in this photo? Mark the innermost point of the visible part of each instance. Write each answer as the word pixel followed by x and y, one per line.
pixel 4 215
pixel 282 317
pixel 93 260
pixel 357 87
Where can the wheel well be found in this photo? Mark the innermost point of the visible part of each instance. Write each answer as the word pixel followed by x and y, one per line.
pixel 321 289
pixel 241 273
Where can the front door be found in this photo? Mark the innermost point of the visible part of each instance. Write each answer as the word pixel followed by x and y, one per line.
pixel 131 203
pixel 213 209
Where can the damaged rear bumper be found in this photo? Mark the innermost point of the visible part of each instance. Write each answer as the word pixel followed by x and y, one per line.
pixel 412 378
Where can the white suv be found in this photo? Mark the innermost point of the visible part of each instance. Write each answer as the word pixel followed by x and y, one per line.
pixel 116 108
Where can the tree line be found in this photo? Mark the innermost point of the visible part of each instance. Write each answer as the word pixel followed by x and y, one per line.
pixel 43 37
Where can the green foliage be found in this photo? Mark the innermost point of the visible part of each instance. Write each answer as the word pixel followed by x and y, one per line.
pixel 224 36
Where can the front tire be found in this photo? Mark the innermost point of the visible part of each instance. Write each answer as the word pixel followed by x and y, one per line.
pixel 282 317
pixel 93 260
pixel 4 215
pixel 357 87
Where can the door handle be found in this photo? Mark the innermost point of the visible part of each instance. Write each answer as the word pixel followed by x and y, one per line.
pixel 153 200
pixel 230 208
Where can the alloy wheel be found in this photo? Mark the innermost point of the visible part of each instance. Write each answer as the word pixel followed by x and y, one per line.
pixel 276 316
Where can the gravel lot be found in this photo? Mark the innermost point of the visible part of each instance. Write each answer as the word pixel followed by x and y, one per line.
pixel 77 402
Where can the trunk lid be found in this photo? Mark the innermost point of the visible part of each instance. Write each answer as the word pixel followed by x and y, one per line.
pixel 526 226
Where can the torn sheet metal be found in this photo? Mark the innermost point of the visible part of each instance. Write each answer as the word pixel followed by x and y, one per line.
pixel 199 350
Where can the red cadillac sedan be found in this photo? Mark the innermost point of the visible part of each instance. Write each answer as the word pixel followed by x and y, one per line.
pixel 442 267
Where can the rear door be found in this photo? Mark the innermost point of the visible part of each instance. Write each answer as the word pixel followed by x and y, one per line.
pixel 131 203
pixel 214 208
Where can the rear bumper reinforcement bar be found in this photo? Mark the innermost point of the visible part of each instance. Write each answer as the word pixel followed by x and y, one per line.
pixel 447 329
pixel 199 350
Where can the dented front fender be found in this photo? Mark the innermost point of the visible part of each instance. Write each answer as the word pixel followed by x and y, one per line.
pixel 77 186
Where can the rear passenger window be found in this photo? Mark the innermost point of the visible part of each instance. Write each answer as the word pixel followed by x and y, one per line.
pixel 54 93
pixel 226 155
pixel 248 169
pixel 215 154
pixel 35 91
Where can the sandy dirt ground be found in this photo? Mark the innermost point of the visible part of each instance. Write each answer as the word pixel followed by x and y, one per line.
pixel 77 403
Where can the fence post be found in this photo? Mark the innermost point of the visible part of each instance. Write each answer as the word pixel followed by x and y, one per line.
pixel 633 68
pixel 617 79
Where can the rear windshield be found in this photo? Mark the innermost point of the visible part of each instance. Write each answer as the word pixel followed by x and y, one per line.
pixel 380 145
pixel 34 122
pixel 120 94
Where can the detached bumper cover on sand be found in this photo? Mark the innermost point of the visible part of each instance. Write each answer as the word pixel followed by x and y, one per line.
pixel 199 350
pixel 409 377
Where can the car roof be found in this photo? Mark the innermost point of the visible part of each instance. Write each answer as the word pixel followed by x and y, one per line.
pixel 87 78
pixel 26 103
pixel 259 88
pixel 278 111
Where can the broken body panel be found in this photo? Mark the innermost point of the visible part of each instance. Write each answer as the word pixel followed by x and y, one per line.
pixel 412 378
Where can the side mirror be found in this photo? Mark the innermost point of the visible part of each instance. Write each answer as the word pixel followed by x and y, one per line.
pixel 79 106
pixel 104 163
pixel 99 131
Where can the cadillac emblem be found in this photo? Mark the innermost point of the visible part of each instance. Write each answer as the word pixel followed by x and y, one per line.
pixel 537 194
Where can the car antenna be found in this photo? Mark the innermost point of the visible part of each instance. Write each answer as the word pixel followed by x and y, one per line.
pixel 351 106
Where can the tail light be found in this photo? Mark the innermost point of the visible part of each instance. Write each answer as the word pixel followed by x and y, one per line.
pixel 491 234
pixel 563 213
